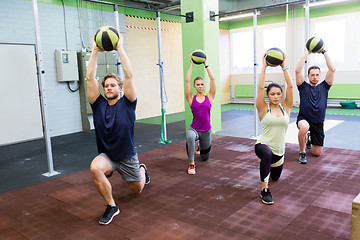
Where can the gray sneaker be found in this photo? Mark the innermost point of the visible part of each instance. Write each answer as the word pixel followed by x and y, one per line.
pixel 302 158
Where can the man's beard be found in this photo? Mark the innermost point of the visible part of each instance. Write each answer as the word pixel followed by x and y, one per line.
pixel 314 83
pixel 114 96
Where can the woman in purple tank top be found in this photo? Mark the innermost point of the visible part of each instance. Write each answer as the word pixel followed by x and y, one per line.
pixel 200 104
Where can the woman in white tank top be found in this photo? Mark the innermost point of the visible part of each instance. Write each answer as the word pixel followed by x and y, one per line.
pixel 274 118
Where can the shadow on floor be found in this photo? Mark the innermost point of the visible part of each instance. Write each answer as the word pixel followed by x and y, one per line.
pixel 23 164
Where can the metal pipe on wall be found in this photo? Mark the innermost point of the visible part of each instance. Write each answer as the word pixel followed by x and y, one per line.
pixel 119 68
pixel 307 17
pixel 160 63
pixel 162 84
pixel 41 74
pixel 256 115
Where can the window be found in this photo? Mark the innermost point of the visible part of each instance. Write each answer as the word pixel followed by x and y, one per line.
pixel 333 35
pixel 358 31
pixel 274 37
pixel 242 45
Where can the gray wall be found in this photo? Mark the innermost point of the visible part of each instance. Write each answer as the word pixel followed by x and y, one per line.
pixel 17 26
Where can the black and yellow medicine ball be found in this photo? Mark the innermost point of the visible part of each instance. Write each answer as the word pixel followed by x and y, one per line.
pixel 106 38
pixel 198 56
pixel 315 45
pixel 274 57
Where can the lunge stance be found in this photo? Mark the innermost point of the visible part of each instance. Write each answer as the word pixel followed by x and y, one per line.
pixel 114 118
pixel 313 102
pixel 200 105
pixel 274 118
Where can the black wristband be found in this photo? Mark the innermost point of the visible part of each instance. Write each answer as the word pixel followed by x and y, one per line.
pixel 323 51
pixel 206 66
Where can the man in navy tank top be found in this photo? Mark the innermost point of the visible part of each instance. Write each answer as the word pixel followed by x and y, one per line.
pixel 313 102
pixel 114 118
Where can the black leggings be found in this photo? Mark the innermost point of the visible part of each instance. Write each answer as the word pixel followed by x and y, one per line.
pixel 271 165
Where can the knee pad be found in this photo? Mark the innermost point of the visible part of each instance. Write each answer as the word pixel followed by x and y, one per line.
pixel 204 152
pixel 274 178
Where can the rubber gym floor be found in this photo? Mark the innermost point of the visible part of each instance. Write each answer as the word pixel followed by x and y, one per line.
pixel 221 201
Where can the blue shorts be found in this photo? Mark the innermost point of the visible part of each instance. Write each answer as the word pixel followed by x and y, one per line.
pixel 128 167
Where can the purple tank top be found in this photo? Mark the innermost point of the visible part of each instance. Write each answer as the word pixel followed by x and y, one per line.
pixel 201 114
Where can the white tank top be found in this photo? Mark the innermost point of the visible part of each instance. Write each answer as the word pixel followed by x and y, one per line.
pixel 274 131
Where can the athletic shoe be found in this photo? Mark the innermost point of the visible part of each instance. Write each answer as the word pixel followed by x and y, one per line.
pixel 109 214
pixel 308 143
pixel 197 151
pixel 266 196
pixel 147 178
pixel 191 169
pixel 302 158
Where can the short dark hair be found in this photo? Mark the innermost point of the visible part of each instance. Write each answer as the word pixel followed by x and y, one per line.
pixel 271 85
pixel 313 67
pixel 112 75
pixel 198 78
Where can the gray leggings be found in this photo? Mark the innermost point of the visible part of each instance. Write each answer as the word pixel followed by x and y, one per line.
pixel 204 143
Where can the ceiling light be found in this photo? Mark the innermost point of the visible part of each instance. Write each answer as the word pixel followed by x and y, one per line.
pixel 172 8
pixel 322 3
pixel 233 17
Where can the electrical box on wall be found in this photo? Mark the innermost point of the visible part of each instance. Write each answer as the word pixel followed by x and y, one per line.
pixel 66 66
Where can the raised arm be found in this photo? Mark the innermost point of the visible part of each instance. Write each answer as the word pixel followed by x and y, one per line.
pixel 329 78
pixel 212 90
pixel 188 95
pixel 261 105
pixel 299 76
pixel 288 101
pixel 129 83
pixel 93 88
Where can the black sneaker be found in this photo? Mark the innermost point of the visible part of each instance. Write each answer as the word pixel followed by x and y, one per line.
pixel 302 158
pixel 266 196
pixel 308 143
pixel 109 214
pixel 147 178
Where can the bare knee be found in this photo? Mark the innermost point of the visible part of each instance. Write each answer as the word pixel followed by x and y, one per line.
pixel 316 151
pixel 303 126
pixel 100 167
pixel 135 187
pixel 303 130
pixel 136 190
pixel 96 173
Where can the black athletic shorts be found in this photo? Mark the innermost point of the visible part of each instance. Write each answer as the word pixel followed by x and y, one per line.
pixel 317 134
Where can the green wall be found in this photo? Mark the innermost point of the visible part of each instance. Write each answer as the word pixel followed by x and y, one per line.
pixel 345 91
pixel 202 34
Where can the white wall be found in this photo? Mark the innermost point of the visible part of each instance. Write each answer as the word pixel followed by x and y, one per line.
pixel 225 66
